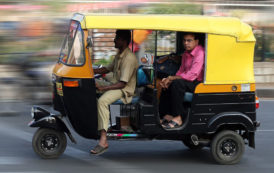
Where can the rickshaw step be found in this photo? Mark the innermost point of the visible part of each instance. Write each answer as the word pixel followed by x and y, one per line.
pixel 187 98
pixel 124 135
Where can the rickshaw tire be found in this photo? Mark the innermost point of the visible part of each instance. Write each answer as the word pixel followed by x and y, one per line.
pixel 227 140
pixel 40 149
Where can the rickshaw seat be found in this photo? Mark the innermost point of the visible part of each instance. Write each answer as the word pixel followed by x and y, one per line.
pixel 187 98
pixel 134 101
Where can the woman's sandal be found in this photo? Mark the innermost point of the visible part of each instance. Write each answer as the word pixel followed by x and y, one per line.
pixel 175 125
pixel 165 122
pixel 98 149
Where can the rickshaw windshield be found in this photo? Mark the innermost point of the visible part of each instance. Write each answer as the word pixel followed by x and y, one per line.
pixel 72 49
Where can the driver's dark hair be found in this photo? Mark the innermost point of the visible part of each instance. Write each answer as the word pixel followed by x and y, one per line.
pixel 197 36
pixel 124 34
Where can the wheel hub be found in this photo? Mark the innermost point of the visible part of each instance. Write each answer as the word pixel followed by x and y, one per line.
pixel 49 142
pixel 228 147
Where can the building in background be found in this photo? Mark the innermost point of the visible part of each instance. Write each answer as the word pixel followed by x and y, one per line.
pixel 31 33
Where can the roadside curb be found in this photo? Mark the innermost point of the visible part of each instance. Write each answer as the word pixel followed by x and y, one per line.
pixel 8 114
pixel 265 93
pixel 10 108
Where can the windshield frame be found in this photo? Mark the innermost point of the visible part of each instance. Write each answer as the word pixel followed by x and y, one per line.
pixel 60 59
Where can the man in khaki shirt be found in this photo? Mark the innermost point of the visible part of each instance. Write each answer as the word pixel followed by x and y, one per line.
pixel 124 67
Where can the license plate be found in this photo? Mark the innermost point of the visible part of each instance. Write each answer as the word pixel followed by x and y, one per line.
pixel 59 89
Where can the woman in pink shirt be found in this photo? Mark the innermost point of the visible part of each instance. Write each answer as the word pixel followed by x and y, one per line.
pixel 189 75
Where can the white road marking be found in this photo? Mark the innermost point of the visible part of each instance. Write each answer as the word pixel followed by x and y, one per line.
pixel 97 161
pixel 6 160
pixel 15 132
pixel 266 99
pixel 103 163
pixel 265 130
pixel 26 172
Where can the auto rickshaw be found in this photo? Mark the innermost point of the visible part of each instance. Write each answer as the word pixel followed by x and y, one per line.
pixel 221 113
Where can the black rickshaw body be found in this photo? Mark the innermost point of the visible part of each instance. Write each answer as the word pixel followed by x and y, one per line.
pixel 223 103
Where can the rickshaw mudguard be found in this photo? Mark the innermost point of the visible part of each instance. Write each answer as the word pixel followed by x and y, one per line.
pixel 228 119
pixel 52 122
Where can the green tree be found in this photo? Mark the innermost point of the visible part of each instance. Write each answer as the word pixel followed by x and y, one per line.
pixel 175 9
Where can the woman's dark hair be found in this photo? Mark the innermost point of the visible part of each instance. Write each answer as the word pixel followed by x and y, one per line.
pixel 124 34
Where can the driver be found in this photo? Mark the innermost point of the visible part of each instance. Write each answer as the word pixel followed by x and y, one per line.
pixel 124 67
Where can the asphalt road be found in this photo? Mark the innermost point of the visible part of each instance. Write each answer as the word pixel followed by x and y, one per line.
pixel 17 156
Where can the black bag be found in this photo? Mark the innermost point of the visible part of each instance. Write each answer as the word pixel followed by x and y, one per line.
pixel 168 68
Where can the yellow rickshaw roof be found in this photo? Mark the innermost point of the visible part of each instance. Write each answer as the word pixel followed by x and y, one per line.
pixel 190 23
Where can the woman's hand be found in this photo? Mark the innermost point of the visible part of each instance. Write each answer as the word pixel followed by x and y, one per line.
pixel 165 82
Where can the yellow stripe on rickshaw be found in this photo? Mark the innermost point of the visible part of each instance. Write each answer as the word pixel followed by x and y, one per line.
pixel 224 88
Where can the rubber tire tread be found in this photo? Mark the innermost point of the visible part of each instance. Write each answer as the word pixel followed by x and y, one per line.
pixel 36 142
pixel 227 134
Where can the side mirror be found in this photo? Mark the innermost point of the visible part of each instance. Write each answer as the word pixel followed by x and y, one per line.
pixel 89 42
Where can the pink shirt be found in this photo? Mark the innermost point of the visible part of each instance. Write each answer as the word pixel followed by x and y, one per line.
pixel 192 65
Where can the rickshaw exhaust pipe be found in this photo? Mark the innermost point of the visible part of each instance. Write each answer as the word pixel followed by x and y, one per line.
pixel 196 141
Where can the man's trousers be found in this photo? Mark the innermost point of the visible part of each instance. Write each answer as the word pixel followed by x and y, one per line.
pixel 172 99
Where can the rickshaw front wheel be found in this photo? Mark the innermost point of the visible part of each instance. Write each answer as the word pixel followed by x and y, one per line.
pixel 49 143
pixel 227 147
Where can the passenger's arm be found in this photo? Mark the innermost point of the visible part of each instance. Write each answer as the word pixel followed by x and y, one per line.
pixel 171 78
pixel 167 81
pixel 175 58
pixel 162 59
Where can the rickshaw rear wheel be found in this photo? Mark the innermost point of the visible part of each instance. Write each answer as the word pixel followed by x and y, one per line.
pixel 49 143
pixel 227 147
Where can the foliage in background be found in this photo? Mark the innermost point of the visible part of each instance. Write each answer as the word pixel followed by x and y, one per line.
pixel 103 62
pixel 175 9
pixel 191 9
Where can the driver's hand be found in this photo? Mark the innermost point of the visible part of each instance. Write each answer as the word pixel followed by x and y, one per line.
pixel 98 87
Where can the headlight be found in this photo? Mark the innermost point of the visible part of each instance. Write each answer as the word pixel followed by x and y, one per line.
pixel 53 78
pixel 32 112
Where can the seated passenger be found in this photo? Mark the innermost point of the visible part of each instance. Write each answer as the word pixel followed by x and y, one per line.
pixel 189 75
